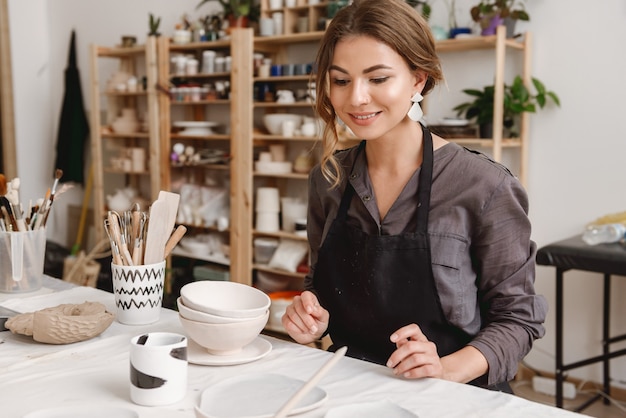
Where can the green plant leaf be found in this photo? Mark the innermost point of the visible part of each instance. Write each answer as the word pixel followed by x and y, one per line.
pixel 555 98
pixel 541 89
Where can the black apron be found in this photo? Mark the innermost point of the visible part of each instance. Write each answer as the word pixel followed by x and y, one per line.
pixel 375 284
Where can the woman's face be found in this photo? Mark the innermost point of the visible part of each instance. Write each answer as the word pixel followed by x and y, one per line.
pixel 371 87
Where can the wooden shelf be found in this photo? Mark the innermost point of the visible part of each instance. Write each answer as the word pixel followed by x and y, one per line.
pixel 284 105
pixel 279 234
pixel 277 78
pixel 214 137
pixel 294 38
pixel 114 135
pixel 119 51
pixel 475 43
pixel 266 137
pixel 200 102
pixel 130 173
pixel 114 93
pixel 195 46
pixel 200 76
pixel 295 176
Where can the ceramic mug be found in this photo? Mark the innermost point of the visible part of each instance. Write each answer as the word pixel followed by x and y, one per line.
pixel 158 368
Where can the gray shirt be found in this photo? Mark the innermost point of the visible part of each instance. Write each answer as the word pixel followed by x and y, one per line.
pixel 483 259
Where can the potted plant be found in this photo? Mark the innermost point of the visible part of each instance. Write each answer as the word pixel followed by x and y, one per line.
pixel 153 25
pixel 238 12
pixel 517 99
pixel 492 13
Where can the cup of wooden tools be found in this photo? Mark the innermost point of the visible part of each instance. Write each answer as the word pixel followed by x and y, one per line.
pixel 23 237
pixel 140 243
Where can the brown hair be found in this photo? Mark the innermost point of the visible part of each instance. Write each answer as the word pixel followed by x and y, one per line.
pixel 392 22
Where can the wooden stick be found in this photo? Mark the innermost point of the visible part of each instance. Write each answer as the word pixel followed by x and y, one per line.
pixel 173 240
pixel 310 384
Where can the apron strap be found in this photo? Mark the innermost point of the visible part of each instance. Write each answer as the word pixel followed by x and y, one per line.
pixel 342 212
pixel 425 181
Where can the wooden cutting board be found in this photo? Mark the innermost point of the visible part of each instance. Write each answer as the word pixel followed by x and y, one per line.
pixel 157 233
pixel 160 226
pixel 171 202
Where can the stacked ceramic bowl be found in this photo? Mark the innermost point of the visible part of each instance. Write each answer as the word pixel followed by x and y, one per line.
pixel 223 317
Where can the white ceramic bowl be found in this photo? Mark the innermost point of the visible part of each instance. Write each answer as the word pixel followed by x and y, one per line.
pixel 229 299
pixel 125 126
pixel 224 339
pixel 274 122
pixel 194 315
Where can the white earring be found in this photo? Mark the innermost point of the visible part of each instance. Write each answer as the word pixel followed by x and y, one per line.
pixel 415 112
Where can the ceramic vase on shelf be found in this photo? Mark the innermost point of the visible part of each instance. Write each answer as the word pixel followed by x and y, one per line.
pixel 490 25
pixel 127 123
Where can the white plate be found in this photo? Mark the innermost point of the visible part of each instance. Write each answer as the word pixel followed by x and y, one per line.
pixel 195 124
pixel 256 350
pixel 82 411
pixel 374 409
pixel 256 395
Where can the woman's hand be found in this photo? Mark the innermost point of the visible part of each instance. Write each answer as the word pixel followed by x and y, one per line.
pixel 305 320
pixel 415 356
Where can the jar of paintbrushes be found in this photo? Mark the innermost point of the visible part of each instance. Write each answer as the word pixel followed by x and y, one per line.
pixel 22 237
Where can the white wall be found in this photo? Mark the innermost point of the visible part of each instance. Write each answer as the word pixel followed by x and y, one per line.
pixel 576 152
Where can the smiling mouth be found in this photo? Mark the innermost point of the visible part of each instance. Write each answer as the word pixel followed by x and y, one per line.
pixel 364 117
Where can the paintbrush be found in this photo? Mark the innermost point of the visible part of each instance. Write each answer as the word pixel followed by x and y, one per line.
pixel 13 195
pixel 58 173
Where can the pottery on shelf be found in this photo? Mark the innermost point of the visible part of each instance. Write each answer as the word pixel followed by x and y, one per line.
pixel 127 123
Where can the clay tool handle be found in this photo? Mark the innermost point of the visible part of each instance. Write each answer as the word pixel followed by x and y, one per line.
pixel 174 239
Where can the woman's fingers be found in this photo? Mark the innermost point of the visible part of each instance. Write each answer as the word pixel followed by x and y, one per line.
pixel 408 332
pixel 304 318
pixel 415 356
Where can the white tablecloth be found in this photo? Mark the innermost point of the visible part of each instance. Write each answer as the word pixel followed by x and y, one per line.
pixel 35 376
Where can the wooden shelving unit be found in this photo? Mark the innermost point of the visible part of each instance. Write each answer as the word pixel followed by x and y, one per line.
pixel 217 109
pixel 139 61
pixel 500 45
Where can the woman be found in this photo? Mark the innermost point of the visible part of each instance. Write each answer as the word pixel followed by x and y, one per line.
pixel 420 249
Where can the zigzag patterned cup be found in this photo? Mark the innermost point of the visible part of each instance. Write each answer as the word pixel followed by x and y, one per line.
pixel 138 292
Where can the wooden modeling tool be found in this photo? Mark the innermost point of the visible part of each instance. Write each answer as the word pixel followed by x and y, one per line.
pixel 157 233
pixel 174 238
